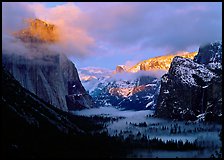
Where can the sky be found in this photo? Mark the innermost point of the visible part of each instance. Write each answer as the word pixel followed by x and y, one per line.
pixel 107 34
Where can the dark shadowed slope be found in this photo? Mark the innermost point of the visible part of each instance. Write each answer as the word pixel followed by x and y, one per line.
pixel 32 128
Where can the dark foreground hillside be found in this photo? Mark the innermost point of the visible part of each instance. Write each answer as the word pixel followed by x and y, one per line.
pixel 32 128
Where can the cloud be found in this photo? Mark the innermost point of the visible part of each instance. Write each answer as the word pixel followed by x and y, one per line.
pixel 122 29
pixel 13 15
pixel 130 63
pixel 170 26
pixel 74 40
pixel 128 76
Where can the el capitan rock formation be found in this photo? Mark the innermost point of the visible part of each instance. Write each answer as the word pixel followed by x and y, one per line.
pixel 46 73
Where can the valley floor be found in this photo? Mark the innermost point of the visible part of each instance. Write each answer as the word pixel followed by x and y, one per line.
pixel 138 124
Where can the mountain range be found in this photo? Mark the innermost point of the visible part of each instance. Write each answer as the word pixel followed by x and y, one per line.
pixel 156 83
pixel 135 88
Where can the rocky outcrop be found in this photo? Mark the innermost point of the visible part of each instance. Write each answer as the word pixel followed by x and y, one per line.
pixel 210 53
pixel 38 31
pixel 43 71
pixel 211 56
pixel 120 69
pixel 190 89
pixel 76 95
pixel 51 77
pixel 159 63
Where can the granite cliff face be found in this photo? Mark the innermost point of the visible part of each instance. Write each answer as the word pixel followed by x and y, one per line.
pixel 52 77
pixel 210 53
pixel 38 31
pixel 159 63
pixel 192 88
pixel 120 69
pixel 44 72
pixel 76 95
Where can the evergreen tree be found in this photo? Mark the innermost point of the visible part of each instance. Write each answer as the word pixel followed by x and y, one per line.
pixel 179 130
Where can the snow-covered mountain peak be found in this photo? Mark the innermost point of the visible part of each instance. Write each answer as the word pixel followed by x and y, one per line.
pixel 189 72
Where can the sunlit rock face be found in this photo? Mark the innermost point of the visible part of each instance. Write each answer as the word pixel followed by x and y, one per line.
pixel 126 92
pixel 137 93
pixel 190 89
pixel 120 69
pixel 46 73
pixel 159 63
pixel 38 31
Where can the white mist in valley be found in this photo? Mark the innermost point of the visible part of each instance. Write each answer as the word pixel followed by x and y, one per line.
pixel 127 124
